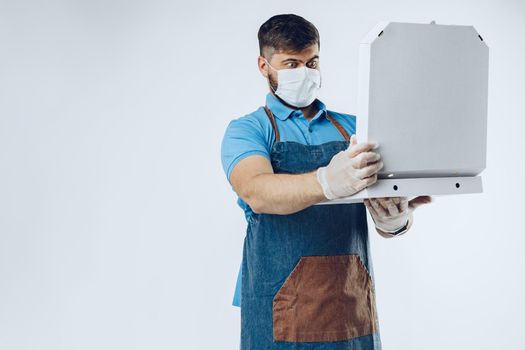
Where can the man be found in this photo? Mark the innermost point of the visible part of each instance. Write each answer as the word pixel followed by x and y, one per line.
pixel 306 279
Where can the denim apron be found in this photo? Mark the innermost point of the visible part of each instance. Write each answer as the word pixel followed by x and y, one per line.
pixel 307 277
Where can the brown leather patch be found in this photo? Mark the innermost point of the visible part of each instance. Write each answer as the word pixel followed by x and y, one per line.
pixel 325 298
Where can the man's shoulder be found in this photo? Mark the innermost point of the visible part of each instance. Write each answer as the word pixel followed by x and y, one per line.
pixel 256 119
pixel 347 120
pixel 340 115
pixel 254 126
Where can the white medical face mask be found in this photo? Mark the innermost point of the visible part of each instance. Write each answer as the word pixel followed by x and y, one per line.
pixel 297 86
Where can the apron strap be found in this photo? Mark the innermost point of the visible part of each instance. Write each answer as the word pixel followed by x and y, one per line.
pixel 339 127
pixel 274 124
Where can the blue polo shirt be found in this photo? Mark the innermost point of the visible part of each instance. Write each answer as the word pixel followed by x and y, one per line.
pixel 253 134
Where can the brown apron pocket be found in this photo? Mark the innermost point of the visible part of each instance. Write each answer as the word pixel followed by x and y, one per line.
pixel 325 298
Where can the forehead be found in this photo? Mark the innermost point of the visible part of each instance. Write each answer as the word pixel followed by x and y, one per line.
pixel 304 55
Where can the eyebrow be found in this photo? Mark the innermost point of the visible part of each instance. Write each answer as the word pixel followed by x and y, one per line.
pixel 296 60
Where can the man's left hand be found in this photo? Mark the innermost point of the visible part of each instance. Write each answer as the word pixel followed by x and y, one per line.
pixel 390 214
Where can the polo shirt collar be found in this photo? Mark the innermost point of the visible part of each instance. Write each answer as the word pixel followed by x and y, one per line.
pixel 282 112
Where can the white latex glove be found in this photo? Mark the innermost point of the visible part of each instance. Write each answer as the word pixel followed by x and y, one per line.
pixel 390 214
pixel 348 171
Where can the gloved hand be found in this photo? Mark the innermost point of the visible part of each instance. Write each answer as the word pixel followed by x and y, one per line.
pixel 390 214
pixel 348 171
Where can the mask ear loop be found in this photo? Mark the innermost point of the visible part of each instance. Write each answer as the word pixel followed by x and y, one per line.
pixel 268 63
pixel 269 83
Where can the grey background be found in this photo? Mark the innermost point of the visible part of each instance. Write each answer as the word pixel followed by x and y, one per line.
pixel 118 229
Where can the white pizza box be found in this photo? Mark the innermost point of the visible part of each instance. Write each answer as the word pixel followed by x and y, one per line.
pixel 423 91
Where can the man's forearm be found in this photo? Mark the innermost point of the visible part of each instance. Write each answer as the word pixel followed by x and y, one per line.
pixel 284 193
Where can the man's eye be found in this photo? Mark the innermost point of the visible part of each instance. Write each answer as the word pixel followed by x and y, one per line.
pixel 292 64
pixel 313 64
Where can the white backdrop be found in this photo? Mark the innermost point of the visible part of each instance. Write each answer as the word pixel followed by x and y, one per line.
pixel 118 229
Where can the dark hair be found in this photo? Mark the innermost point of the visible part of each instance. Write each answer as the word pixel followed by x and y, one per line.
pixel 287 32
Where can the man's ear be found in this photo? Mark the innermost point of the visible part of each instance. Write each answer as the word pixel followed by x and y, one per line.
pixel 263 66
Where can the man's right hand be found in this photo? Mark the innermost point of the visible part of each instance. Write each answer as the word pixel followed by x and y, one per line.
pixel 351 170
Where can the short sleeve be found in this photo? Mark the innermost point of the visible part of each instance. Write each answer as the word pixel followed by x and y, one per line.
pixel 243 137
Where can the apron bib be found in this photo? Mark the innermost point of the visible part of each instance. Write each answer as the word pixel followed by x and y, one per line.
pixel 307 277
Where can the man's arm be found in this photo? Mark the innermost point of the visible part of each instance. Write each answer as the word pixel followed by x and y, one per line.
pixel 254 181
